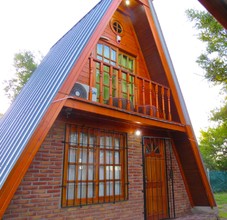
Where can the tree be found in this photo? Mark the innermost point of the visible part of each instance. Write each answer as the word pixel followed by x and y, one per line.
pixel 214 59
pixel 213 141
pixel 25 65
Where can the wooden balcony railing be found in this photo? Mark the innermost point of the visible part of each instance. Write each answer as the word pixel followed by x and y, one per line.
pixel 119 88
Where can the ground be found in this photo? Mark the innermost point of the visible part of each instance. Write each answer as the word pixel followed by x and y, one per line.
pixel 221 199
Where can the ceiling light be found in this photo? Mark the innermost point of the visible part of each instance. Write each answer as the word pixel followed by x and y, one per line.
pixel 127 2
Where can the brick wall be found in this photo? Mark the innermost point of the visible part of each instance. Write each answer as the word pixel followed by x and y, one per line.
pixel 39 194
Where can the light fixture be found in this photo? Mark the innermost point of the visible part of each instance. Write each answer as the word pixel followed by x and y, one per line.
pixel 137 132
pixel 127 2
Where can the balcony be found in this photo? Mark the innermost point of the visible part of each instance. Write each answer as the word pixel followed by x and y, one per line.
pixel 119 89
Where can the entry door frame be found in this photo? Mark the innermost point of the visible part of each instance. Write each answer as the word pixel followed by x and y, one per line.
pixel 169 175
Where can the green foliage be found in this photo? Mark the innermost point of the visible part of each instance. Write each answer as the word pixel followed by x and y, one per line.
pixel 213 145
pixel 214 59
pixel 25 65
pixel 221 200
pixel 213 141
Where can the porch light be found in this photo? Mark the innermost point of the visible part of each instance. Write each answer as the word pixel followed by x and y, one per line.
pixel 127 2
pixel 137 132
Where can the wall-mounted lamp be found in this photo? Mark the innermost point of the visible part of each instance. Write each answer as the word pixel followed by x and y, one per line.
pixel 118 39
pixel 137 132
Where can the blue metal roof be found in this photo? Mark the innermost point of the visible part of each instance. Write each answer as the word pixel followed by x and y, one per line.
pixel 24 115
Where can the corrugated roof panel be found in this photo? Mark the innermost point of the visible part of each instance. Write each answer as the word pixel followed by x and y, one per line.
pixel 22 118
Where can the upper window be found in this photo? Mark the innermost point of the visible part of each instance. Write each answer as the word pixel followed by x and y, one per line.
pixel 108 74
pixel 117 27
pixel 95 166
pixel 127 62
pixel 106 54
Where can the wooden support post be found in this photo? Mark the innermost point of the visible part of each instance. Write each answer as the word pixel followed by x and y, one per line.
pixel 136 94
pixel 143 96
pixel 150 99
pixel 101 83
pixel 169 106
pixel 111 86
pixel 157 101
pixel 128 89
pixel 163 102
pixel 91 69
pixel 120 89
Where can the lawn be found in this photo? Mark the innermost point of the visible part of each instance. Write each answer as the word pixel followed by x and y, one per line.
pixel 221 200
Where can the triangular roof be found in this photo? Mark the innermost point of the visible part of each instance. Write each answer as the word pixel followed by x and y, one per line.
pixel 21 120
pixel 27 122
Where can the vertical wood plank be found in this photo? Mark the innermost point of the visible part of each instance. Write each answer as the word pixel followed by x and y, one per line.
pixel 157 100
pixel 169 106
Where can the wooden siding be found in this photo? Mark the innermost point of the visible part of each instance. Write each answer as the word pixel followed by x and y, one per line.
pixel 195 185
pixel 129 44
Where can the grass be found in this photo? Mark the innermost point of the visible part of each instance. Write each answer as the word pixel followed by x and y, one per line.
pixel 221 200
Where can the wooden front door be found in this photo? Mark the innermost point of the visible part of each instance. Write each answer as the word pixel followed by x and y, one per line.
pixel 156 198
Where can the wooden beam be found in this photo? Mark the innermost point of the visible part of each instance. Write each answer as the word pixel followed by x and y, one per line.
pixel 199 162
pixel 117 114
pixel 218 9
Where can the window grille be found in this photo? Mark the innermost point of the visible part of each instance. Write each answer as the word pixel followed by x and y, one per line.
pixel 95 168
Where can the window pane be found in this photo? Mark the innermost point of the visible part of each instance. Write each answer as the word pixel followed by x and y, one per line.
pixel 81 190
pixel 90 190
pixel 90 173
pixel 130 64
pixel 106 78
pixel 101 157
pixel 124 86
pixel 108 142
pixel 71 173
pixel 117 188
pixel 117 172
pixel 106 93
pixel 99 49
pixel 73 139
pixel 109 188
pixel 91 141
pixel 70 191
pixel 109 172
pixel 99 57
pixel 109 157
pixel 102 142
pixel 91 156
pixel 106 51
pixel 101 189
pixel 83 156
pixel 97 76
pixel 116 143
pixel 101 172
pixel 117 157
pixel 72 155
pixel 83 139
pixel 82 173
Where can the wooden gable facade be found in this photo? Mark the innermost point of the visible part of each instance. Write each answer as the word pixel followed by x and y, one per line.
pixel 84 150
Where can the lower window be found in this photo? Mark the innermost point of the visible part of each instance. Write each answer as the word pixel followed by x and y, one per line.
pixel 95 166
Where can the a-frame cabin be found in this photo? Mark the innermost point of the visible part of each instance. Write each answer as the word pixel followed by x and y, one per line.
pixel 68 142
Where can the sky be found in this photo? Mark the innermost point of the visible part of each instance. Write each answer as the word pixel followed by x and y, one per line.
pixel 36 25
